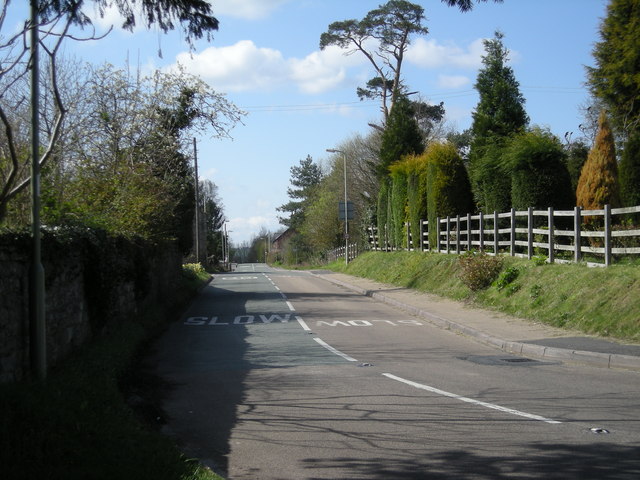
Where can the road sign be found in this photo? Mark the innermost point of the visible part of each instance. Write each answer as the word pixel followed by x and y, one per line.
pixel 349 210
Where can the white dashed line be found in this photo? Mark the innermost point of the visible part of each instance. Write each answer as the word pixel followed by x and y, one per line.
pixel 471 400
pixel 303 324
pixel 333 350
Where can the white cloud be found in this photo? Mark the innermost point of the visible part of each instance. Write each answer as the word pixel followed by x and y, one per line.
pixel 245 66
pixel 453 81
pixel 431 54
pixel 238 67
pixel 247 9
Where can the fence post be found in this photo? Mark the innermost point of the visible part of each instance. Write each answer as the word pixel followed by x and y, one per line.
pixel 386 239
pixel 481 226
pixel 496 237
pixel 577 240
pixel 458 234
pixel 512 247
pixel 438 234
pixel 469 236
pixel 448 233
pixel 607 235
pixel 551 237
pixel 421 241
pixel 530 233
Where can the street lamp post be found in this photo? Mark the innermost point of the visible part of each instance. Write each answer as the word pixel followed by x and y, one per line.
pixel 346 221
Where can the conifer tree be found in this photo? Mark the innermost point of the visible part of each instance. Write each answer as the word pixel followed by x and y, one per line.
pixel 304 180
pixel 598 184
pixel 629 170
pixel 401 136
pixel 616 77
pixel 448 187
pixel 499 114
pixel 539 174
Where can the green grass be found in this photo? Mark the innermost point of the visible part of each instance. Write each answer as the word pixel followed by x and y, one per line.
pixel 77 424
pixel 600 301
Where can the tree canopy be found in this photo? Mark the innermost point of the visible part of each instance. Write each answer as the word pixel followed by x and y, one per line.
pixel 392 25
pixel 305 177
pixel 465 5
pixel 616 77
pixel 194 16
pixel 499 115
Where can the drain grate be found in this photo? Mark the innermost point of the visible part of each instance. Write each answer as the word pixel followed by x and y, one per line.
pixel 498 360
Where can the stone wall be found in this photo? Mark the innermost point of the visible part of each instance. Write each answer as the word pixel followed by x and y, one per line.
pixel 92 283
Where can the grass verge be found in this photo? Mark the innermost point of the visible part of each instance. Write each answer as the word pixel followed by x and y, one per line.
pixel 598 301
pixel 77 425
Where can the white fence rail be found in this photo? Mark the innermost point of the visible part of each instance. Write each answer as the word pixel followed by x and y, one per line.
pixel 562 235
pixel 353 251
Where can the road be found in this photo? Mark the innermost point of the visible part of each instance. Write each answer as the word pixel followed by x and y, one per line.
pixel 281 375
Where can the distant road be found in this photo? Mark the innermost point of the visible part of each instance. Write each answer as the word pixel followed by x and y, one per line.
pixel 282 375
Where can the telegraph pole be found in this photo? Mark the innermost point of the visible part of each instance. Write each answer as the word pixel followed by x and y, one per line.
pixel 195 162
pixel 37 327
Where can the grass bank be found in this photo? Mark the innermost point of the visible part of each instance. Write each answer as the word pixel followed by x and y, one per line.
pixel 77 424
pixel 598 301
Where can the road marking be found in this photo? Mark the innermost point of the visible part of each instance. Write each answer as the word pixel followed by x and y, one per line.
pixel 471 400
pixel 303 324
pixel 333 350
pixel 290 306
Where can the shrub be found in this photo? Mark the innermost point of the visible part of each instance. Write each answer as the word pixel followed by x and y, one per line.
pixel 507 277
pixel 448 187
pixel 491 184
pixel 398 212
pixel 193 270
pixel 539 175
pixel 598 184
pixel 478 270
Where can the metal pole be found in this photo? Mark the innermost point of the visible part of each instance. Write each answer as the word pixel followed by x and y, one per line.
pixel 195 162
pixel 37 326
pixel 346 218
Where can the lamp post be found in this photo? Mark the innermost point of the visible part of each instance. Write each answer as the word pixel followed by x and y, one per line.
pixel 346 221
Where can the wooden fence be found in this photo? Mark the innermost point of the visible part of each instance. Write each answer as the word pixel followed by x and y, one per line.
pixel 353 251
pixel 561 235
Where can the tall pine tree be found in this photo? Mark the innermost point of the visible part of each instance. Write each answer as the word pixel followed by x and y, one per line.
pixel 500 113
pixel 304 180
pixel 616 77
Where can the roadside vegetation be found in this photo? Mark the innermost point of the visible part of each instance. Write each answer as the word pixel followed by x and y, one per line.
pixel 83 422
pixel 598 301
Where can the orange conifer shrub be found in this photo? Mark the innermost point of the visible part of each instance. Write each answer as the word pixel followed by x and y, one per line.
pixel 598 184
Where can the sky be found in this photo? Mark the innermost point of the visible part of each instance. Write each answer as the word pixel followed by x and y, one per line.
pixel 302 101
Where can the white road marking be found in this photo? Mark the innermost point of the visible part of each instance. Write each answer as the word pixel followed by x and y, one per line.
pixel 471 400
pixel 333 350
pixel 290 306
pixel 303 324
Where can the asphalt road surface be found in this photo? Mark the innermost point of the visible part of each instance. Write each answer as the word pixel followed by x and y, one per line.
pixel 282 375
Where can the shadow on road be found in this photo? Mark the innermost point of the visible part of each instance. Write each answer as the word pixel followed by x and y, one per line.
pixel 597 461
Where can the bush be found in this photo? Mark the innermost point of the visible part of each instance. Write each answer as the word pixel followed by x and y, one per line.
pixel 478 270
pixel 539 175
pixel 448 187
pixel 507 277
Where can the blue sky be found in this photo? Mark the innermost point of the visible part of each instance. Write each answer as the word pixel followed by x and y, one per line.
pixel 301 101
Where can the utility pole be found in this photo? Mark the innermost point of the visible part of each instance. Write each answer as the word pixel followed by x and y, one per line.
pixel 37 326
pixel 195 162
